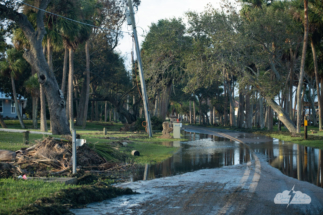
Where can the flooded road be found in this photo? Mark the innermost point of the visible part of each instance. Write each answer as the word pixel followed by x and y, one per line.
pixel 206 151
pixel 199 152
pixel 224 172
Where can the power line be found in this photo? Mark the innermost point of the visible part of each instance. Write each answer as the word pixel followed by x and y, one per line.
pixel 63 17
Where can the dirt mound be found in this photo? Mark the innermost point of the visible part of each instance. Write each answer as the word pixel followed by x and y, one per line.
pixel 55 155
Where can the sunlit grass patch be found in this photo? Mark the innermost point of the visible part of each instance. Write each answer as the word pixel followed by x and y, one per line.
pixel 15 194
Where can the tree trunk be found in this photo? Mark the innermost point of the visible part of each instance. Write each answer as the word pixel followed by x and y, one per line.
pixel 165 101
pixel 81 106
pixel 214 119
pixel 249 111
pixel 70 88
pixel 2 123
pixel 261 113
pixel 211 115
pixel 194 116
pixel 231 99
pixel 319 98
pixel 270 118
pixel 301 74
pixel 190 110
pixel 65 64
pixel 36 58
pixel 105 111
pixel 43 122
pixel 87 94
pixel 16 102
pixel 96 111
pixel 311 102
pixel 156 105
pixel 34 111
pixel 282 116
pixel 50 63
pixel 225 104
pixel 241 110
pixel 200 111
pixel 110 115
pixel 92 111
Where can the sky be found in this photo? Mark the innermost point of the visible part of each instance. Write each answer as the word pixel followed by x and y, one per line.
pixel 150 11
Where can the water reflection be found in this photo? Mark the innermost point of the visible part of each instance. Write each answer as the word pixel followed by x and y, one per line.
pixel 297 161
pixel 199 152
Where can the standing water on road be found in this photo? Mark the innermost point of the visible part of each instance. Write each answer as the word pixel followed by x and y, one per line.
pixel 203 151
pixel 199 152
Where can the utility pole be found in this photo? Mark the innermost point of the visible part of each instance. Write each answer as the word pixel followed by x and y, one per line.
pixel 141 73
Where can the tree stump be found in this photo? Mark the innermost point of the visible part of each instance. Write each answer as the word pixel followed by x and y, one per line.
pixel 104 131
pixel 166 131
pixel 25 139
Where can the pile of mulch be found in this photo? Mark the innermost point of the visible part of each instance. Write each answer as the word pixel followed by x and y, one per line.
pixel 54 155
pixel 7 170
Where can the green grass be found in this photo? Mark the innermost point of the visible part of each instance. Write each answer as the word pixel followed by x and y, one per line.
pixel 15 194
pixel 314 141
pixel 13 141
pixel 90 126
pixel 150 152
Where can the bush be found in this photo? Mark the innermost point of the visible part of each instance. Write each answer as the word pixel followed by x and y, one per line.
pixel 138 124
pixel 157 123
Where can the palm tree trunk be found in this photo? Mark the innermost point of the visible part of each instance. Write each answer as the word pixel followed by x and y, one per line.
pixel 70 88
pixel 16 102
pixel 301 74
pixel 34 111
pixel 317 84
pixel 87 95
pixel 64 70
pixel 43 121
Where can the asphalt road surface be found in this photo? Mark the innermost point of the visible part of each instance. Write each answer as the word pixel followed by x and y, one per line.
pixel 251 188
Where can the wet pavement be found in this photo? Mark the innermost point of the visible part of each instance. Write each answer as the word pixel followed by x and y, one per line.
pixel 223 172
pixel 205 151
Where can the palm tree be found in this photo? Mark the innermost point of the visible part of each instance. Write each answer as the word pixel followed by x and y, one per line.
pixel 13 65
pixel 316 33
pixel 32 86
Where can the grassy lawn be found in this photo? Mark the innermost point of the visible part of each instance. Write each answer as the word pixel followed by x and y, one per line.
pixel 90 126
pixel 18 193
pixel 151 149
pixel 13 141
pixel 15 194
